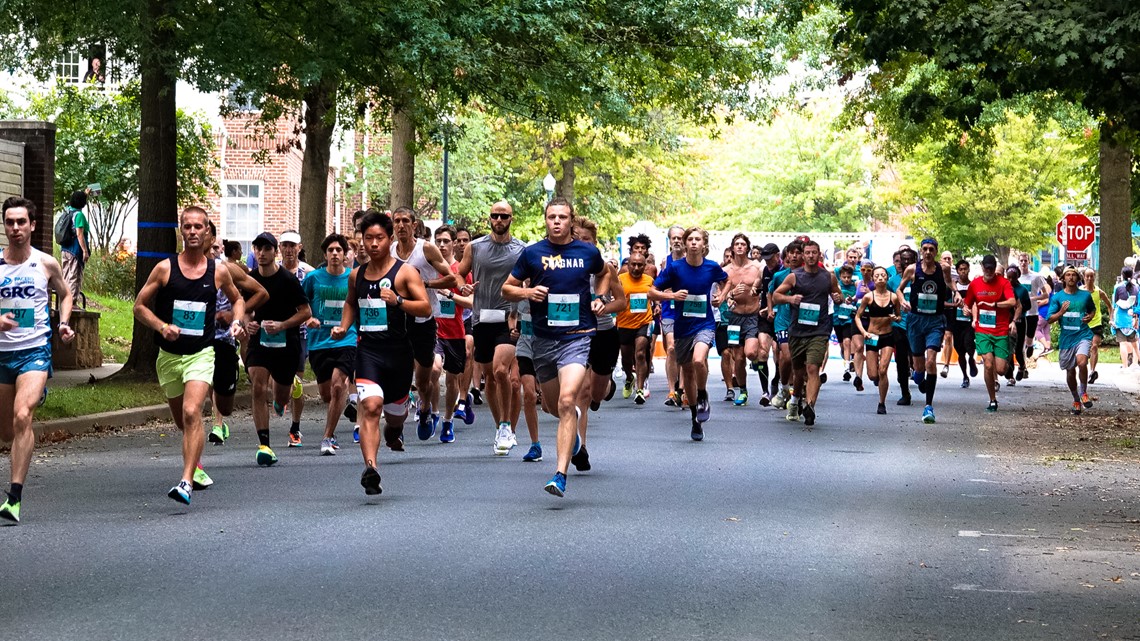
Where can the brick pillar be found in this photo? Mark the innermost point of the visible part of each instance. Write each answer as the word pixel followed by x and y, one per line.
pixel 39 172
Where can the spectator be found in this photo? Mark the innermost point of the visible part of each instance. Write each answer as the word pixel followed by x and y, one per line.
pixel 76 253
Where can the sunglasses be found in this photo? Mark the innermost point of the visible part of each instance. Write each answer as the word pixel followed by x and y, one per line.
pixel 500 216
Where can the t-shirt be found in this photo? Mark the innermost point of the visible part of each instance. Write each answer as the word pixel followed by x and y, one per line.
pixel 80 219
pixel 990 320
pixel 893 285
pixel 783 319
pixel 1073 328
pixel 326 294
pixel 285 295
pixel 491 263
pixel 1021 292
pixel 845 311
pixel 810 317
pixel 695 313
pixel 449 320
pixel 1035 283
pixel 638 312
pixel 1123 304
pixel 565 271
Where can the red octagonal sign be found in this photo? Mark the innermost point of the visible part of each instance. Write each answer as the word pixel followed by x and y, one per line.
pixel 1075 232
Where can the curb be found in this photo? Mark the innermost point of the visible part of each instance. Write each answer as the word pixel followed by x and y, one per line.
pixel 75 425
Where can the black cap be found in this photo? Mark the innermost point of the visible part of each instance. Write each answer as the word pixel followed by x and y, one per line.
pixel 265 238
pixel 989 261
pixel 769 250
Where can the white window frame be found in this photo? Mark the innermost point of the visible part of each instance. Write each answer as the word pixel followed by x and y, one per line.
pixel 68 61
pixel 228 201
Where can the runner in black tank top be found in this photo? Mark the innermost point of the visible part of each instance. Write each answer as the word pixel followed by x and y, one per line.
pixel 190 306
pixel 382 297
pixel 926 324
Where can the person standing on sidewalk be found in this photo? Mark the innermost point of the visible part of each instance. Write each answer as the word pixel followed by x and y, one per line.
pixel 75 252
pixel 25 345
pixel 179 302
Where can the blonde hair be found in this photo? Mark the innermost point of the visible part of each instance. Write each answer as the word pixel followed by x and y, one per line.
pixel 704 235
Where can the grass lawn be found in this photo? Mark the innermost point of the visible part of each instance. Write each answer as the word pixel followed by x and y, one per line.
pixel 116 320
pixel 106 396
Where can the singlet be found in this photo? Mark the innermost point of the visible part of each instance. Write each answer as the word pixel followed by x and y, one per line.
pixel 427 272
pixel 605 321
pixel 766 276
pixel 960 315
pixel 223 304
pixel 810 317
pixel 875 310
pixel 524 348
pixel 379 325
pixel 24 294
pixel 928 292
pixel 189 305
pixel 491 263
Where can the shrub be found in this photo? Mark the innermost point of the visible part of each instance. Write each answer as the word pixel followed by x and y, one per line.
pixel 111 274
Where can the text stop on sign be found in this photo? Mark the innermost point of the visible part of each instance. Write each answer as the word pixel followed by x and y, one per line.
pixel 1076 232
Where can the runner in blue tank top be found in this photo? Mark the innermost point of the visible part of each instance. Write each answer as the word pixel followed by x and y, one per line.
pixel 930 290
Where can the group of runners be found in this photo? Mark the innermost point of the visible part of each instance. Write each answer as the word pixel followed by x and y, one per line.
pixel 397 327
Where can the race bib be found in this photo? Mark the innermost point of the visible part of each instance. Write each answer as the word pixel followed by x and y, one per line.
pixel 927 303
pixel 526 327
pixel 492 316
pixel 1071 322
pixel 872 340
pixel 987 319
pixel 373 315
pixel 961 315
pixel 24 313
pixel 272 341
pixel 734 334
pixel 446 308
pixel 809 314
pixel 189 317
pixel 638 303
pixel 562 310
pixel 845 311
pixel 695 306
pixel 331 313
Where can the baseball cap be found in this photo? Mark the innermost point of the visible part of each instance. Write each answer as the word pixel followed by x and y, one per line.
pixel 265 238
pixel 291 237
pixel 769 250
pixel 989 261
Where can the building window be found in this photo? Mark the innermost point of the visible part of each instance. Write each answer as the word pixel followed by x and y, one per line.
pixel 70 67
pixel 242 206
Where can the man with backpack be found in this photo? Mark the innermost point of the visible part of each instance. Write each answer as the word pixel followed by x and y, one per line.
pixel 71 230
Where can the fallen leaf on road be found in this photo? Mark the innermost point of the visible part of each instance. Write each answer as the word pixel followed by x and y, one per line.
pixel 1087 585
pixel 1116 579
pixel 733 519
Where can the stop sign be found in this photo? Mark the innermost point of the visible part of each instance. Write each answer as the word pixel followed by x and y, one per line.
pixel 1076 232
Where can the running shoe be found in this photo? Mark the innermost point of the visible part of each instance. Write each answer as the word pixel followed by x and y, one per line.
pixel 627 388
pixel 469 409
pixel 355 433
pixel 822 379
pixel 703 410
pixel 764 400
pixel 754 366
pixel 581 460
pixel 793 411
pixel 919 379
pixel 646 390
pixel 595 406
pixel 476 396
pixel 327 448
pixel 639 397
pixel 729 396
pixel 965 383
pixel 370 481
pixel 846 376
pixel 698 431
pixel 858 383
pixel 741 399
pixel 904 400
pixel 684 402
pixel 1023 374
pixel 882 409
pixel 10 511
pixel 503 439
pixel 350 411
pixel 394 438
pixel 1076 411
pixel 611 390
pixel 973 368
pixel 1086 401
pixel 928 415
pixel 217 435
pixel 945 371
pixel 265 456
pixel 43 398
pixel 335 444
pixel 447 434
pixel 295 439
pixel 992 407
pixel 779 401
pixel 277 409
pixel 557 484
pixel 514 440
pixel 1092 379
pixel 201 480
pixel 1011 382
pixel 298 387
pixel 425 428
pixel 534 454
pixel 181 492
pixel 671 400
pixel 808 414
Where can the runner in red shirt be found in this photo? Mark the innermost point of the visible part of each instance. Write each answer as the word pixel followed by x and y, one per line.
pixel 990 302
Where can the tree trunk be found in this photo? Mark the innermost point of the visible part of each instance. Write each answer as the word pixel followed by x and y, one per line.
pixel 320 120
pixel 158 178
pixel 403 161
pixel 565 186
pixel 1115 203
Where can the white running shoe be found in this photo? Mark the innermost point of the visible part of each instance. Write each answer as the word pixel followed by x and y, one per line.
pixel 514 440
pixel 327 447
pixel 503 439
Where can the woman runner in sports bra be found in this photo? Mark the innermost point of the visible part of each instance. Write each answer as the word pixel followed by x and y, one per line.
pixel 881 307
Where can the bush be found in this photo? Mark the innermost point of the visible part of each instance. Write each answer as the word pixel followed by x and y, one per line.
pixel 111 274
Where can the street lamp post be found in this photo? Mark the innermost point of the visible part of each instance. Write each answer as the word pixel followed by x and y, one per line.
pixel 445 176
pixel 549 183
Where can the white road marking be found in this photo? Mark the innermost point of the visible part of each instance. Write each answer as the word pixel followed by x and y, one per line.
pixel 970 587
pixel 976 533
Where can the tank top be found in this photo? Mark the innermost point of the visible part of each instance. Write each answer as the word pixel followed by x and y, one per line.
pixel 223 305
pixel 24 294
pixel 960 315
pixel 427 272
pixel 875 310
pixel 190 306
pixel 605 321
pixel 928 292
pixel 379 325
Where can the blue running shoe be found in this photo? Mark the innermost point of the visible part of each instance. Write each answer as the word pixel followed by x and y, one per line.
pixel 460 413
pixel 534 454
pixel 183 491
pixel 703 410
pixel 425 429
pixel 557 484
pixel 469 409
pixel 447 434
pixel 277 409
pixel 355 433
pixel 928 414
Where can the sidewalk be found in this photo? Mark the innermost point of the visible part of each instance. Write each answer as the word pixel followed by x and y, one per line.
pixel 74 377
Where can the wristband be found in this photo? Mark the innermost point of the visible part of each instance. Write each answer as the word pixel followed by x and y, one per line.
pixel 163 328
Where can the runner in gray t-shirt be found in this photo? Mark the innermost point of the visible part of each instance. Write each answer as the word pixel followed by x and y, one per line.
pixel 1039 292
pixel 490 260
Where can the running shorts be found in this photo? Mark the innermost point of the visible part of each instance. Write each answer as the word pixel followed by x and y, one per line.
pixel 324 361
pixel 175 370
pixel 605 347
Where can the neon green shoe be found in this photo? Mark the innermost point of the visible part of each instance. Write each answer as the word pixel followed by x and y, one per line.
pixel 265 456
pixel 225 430
pixel 298 390
pixel 10 511
pixel 201 479
pixel 217 435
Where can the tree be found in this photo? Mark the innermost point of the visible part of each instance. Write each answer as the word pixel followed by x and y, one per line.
pixel 97 141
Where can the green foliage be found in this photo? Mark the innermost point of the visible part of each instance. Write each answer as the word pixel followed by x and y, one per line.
pixel 97 141
pixel 116 321
pixel 1004 195
pixel 800 172
pixel 110 274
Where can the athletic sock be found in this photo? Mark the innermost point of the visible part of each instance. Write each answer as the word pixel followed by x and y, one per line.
pixel 295 427
pixel 735 383
pixel 263 437
pixel 702 395
pixel 16 492
pixel 931 383
pixel 353 397
pixel 693 410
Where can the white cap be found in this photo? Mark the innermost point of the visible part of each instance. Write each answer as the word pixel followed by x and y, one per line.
pixel 291 237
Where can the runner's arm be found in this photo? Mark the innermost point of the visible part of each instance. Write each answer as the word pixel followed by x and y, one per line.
pixel 142 311
pixel 348 313
pixel 226 284
pixel 616 291
pixel 447 280
pixel 246 283
pixel 859 314
pixel 782 296
pixel 416 302
pixel 56 282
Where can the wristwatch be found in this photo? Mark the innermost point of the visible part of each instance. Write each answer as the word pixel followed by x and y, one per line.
pixel 399 300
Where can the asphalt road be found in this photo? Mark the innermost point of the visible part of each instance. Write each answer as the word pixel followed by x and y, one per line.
pixel 866 527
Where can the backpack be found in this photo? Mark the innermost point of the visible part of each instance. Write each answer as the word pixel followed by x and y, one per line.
pixel 65 227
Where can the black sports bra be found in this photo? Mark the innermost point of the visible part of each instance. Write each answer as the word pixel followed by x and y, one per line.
pixel 875 310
